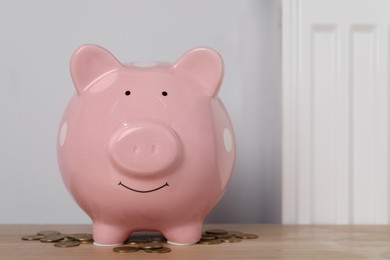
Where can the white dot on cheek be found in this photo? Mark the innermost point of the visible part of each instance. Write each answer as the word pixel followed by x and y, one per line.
pixel 63 133
pixel 227 140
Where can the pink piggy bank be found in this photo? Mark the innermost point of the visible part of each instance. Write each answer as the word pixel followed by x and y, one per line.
pixel 146 147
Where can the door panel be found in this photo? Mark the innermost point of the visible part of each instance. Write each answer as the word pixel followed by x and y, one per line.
pixel 335 114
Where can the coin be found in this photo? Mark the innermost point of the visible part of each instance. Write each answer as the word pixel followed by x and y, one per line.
pixel 132 243
pixel 32 237
pixel 52 238
pixel 85 241
pixel 157 239
pixel 247 236
pixel 227 235
pixel 68 236
pixel 48 233
pixel 216 231
pixel 235 232
pixel 231 240
pixel 135 241
pixel 151 246
pixel 210 242
pixel 67 243
pixel 125 249
pixel 207 237
pixel 160 250
pixel 81 236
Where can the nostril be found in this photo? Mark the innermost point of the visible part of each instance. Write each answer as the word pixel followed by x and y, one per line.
pixel 153 148
pixel 135 149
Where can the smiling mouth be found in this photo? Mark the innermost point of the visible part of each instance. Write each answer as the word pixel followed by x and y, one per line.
pixel 143 191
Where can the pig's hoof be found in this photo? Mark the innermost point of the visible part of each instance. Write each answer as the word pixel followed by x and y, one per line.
pixel 184 235
pixel 108 235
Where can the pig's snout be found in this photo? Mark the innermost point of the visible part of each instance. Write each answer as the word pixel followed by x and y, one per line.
pixel 145 149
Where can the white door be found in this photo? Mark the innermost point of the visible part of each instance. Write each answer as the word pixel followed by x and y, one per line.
pixel 336 111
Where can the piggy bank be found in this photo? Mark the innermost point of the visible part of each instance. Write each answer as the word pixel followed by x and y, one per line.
pixel 146 146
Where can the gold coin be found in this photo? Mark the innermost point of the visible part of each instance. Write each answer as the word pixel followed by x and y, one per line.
pixel 235 232
pixel 135 241
pixel 125 249
pixel 132 243
pixel 227 235
pixel 216 231
pixel 81 236
pixel 32 237
pixel 160 250
pixel 231 240
pixel 207 237
pixel 151 246
pixel 48 233
pixel 157 239
pixel 247 236
pixel 85 241
pixel 68 236
pixel 67 243
pixel 210 242
pixel 52 238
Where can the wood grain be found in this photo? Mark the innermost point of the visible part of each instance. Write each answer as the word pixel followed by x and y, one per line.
pixel 274 242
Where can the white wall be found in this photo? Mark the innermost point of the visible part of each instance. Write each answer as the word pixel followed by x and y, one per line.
pixel 37 40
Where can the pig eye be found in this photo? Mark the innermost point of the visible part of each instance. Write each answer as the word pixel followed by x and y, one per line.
pixel 164 93
pixel 127 93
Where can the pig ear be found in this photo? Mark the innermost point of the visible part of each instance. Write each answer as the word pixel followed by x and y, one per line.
pixel 88 63
pixel 206 65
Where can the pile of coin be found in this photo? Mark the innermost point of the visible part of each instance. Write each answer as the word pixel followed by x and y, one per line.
pixel 149 244
pixel 147 247
pixel 218 236
pixel 156 244
pixel 60 240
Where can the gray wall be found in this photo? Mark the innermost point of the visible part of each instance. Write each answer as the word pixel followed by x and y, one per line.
pixel 37 40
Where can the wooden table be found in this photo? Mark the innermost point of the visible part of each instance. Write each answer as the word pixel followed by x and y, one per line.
pixel 274 242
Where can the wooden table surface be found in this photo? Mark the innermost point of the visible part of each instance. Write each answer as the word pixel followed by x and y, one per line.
pixel 274 242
